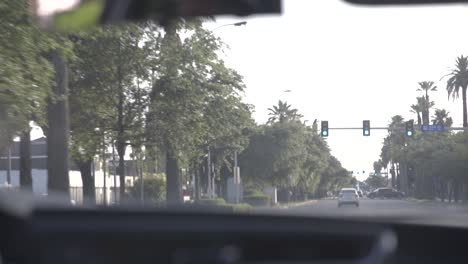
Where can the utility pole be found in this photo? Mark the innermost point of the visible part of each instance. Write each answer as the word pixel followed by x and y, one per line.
pixel 213 176
pixel 115 173
pixel 9 166
pixel 142 185
pixel 208 173
pixel 196 175
pixel 104 169
pixel 236 178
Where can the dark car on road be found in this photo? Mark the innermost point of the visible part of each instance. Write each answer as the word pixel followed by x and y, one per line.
pixel 387 193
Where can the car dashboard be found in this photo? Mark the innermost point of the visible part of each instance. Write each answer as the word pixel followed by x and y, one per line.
pixel 123 236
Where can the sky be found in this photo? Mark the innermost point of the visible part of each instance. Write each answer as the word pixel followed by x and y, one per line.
pixel 47 7
pixel 344 64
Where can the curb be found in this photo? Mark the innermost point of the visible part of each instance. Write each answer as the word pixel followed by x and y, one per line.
pixel 436 203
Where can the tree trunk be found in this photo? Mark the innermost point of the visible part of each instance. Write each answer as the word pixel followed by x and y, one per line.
pixel 425 117
pixel 465 121
pixel 392 172
pixel 89 193
pixel 58 129
pixel 404 177
pixel 121 147
pixel 173 183
pixel 121 144
pixel 25 160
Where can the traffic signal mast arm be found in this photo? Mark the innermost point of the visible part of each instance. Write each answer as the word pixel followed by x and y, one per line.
pixel 408 128
pixel 396 128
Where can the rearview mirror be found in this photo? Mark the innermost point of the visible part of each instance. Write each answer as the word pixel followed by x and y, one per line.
pixel 403 2
pixel 68 15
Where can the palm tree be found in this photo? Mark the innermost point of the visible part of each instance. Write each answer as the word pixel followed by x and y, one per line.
pixel 421 108
pixel 425 87
pixel 441 117
pixel 282 113
pixel 459 79
pixel 416 108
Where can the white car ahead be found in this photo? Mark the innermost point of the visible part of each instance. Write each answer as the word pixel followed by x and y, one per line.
pixel 348 196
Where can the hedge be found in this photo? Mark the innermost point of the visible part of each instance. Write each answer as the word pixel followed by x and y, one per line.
pixel 219 203
pixel 253 192
pixel 258 200
pixel 211 201
pixel 241 208
pixel 154 190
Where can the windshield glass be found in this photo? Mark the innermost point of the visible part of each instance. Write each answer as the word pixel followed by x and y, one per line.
pixel 243 113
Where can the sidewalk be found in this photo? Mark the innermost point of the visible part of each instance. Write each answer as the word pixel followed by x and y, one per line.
pixel 437 202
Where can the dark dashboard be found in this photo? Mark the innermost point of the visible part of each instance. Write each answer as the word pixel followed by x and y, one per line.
pixel 122 236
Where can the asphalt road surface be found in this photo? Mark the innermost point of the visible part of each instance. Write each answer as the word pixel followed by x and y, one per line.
pixel 377 206
pixel 408 209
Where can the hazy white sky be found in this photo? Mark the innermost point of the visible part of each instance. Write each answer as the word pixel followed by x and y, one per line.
pixel 345 64
pixel 48 7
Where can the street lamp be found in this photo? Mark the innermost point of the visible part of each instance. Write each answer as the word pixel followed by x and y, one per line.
pixel 287 93
pixel 237 24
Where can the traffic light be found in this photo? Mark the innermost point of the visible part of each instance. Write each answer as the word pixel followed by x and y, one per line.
pixel 324 129
pixel 366 128
pixel 409 128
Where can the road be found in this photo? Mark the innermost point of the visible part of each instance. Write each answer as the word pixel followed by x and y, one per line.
pixel 376 206
pixel 407 209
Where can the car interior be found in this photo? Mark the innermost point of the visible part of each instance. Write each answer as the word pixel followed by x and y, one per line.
pixel 55 233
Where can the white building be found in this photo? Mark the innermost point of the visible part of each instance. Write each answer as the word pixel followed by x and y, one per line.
pixel 39 173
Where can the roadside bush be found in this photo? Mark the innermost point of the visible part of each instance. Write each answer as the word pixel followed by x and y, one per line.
pixel 154 190
pixel 211 201
pixel 252 192
pixel 241 208
pixel 220 204
pixel 258 200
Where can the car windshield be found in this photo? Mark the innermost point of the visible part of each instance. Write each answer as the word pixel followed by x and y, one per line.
pixel 266 111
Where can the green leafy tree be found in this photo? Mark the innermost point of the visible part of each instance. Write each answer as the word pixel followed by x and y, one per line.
pixel 195 102
pixel 376 181
pixel 292 156
pixel 108 87
pixel 378 166
pixel 25 79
